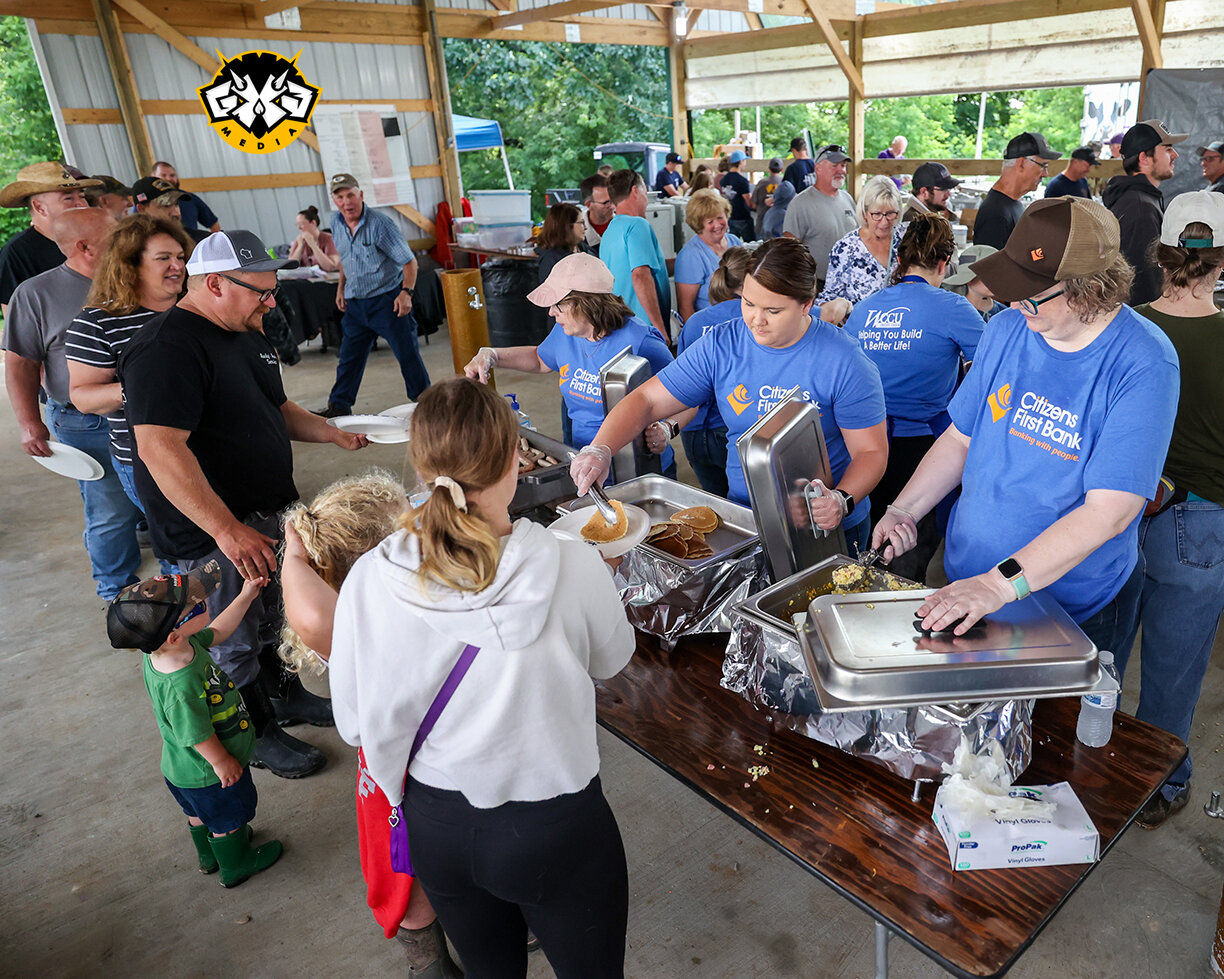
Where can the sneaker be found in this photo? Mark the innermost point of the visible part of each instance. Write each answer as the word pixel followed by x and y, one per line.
pixel 1158 808
pixel 333 410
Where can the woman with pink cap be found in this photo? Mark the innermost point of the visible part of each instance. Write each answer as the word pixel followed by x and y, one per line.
pixel 593 326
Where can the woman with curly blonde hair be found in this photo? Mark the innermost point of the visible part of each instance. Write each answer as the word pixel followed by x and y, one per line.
pixel 323 539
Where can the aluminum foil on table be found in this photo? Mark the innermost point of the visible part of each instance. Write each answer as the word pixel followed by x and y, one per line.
pixel 669 600
pixel 767 667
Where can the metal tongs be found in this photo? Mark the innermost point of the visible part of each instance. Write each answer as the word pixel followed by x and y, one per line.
pixel 602 504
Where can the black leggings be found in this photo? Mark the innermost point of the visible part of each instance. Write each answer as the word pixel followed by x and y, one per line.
pixel 556 866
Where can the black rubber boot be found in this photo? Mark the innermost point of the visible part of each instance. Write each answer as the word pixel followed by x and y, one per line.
pixel 291 702
pixel 278 752
pixel 204 854
pixel 239 860
pixel 427 954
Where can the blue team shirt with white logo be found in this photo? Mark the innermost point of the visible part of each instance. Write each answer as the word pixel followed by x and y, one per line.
pixel 747 380
pixel 915 334
pixel 1048 426
pixel 578 361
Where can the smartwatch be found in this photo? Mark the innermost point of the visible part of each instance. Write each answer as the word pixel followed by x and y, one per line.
pixel 1011 570
pixel 847 501
pixel 672 428
pixel 407 289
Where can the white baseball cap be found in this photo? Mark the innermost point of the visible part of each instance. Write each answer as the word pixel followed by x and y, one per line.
pixel 1203 206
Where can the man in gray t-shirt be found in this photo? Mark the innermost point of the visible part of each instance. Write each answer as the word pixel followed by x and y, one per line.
pixel 824 212
pixel 39 313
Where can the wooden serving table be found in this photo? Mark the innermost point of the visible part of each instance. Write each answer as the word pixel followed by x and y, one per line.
pixel 855 826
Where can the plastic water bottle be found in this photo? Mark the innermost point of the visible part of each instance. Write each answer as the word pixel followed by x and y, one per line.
pixel 524 421
pixel 1095 725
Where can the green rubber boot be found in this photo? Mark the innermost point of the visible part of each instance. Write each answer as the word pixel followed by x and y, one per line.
pixel 199 836
pixel 239 860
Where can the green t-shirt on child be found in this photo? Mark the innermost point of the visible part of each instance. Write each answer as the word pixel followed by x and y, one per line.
pixel 191 705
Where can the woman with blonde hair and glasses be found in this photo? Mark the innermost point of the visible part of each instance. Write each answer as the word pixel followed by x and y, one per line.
pixel 142 272
pixel 1057 434
pixel 493 630
pixel 859 263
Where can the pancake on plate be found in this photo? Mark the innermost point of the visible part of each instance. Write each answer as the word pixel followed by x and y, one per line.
pixel 599 531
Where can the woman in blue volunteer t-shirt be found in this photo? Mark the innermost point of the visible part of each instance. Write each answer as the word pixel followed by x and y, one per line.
pixel 593 326
pixel 1057 437
pixel 749 365
pixel 917 334
pixel 705 437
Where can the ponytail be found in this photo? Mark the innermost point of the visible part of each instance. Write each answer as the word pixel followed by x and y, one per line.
pixel 728 278
pixel 927 242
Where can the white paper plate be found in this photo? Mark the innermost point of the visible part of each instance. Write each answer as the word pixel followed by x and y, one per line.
pixel 71 462
pixel 368 424
pixel 393 439
pixel 403 411
pixel 639 526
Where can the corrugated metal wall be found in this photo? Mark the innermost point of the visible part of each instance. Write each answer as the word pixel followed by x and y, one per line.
pixel 79 78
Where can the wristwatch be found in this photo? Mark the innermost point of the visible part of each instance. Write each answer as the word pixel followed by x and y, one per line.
pixel 847 499
pixel 1011 570
pixel 672 428
pixel 407 289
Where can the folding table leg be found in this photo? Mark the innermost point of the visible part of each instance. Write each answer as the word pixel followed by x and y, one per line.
pixel 882 935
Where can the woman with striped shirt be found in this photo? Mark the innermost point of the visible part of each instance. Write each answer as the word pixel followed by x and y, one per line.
pixel 141 274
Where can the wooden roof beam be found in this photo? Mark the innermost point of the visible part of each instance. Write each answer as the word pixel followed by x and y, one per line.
pixel 266 8
pixel 849 69
pixel 975 13
pixel 1149 35
pixel 567 8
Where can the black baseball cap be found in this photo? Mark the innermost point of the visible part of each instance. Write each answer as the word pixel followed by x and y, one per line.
pixel 154 190
pixel 1029 144
pixel 1143 137
pixel 143 615
pixel 1086 154
pixel 673 157
pixel 934 175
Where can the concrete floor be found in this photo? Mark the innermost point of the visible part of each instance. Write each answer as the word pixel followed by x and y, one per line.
pixel 98 871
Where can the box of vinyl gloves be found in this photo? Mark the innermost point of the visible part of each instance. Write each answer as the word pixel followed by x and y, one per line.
pixel 989 824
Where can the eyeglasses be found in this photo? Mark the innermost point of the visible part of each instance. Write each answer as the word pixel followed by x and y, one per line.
pixel 883 215
pixel 264 294
pixel 1039 162
pixel 1030 305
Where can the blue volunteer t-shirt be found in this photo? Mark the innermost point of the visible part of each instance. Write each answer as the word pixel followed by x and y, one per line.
pixel 628 243
pixel 733 187
pixel 1062 186
pixel 915 334
pixel 1047 427
pixel 698 325
pixel 667 178
pixel 696 262
pixel 730 367
pixel 578 361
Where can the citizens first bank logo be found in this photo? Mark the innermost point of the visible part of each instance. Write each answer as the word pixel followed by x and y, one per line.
pixel 564 372
pixel 1000 403
pixel 739 399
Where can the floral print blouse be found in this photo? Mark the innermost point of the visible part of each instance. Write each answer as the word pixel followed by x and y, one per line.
pixel 854 273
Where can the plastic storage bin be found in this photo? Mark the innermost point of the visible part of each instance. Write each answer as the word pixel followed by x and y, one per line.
pixel 493 207
pixel 504 236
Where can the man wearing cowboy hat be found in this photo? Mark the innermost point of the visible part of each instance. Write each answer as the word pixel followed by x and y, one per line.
pixel 47 189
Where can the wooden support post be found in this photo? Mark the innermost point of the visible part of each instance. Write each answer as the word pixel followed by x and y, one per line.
pixel 825 27
pixel 439 90
pixel 855 172
pixel 125 85
pixel 678 65
pixel 1157 14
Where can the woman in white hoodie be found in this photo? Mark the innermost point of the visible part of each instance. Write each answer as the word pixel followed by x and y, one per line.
pixel 507 824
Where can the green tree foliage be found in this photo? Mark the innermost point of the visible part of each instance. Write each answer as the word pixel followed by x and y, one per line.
pixel 937 126
pixel 29 131
pixel 555 103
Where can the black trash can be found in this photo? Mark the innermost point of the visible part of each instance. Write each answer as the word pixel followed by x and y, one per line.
pixel 514 321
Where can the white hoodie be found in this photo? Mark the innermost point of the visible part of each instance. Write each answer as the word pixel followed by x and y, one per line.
pixel 521 724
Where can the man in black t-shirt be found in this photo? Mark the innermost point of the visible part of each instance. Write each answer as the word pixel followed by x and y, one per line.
pixel 1025 161
pixel 47 189
pixel 212 426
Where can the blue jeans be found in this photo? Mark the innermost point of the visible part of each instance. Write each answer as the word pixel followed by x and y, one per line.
pixel 364 320
pixel 110 517
pixel 127 478
pixel 1183 595
pixel 706 449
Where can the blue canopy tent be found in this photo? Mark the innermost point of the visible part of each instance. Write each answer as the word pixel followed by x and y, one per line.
pixel 479 134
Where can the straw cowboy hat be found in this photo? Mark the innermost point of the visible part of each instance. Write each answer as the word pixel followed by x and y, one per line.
pixel 42 178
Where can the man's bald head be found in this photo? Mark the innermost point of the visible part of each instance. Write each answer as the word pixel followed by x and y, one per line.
pixel 81 235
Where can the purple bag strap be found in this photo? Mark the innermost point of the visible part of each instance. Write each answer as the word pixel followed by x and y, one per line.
pixel 442 699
